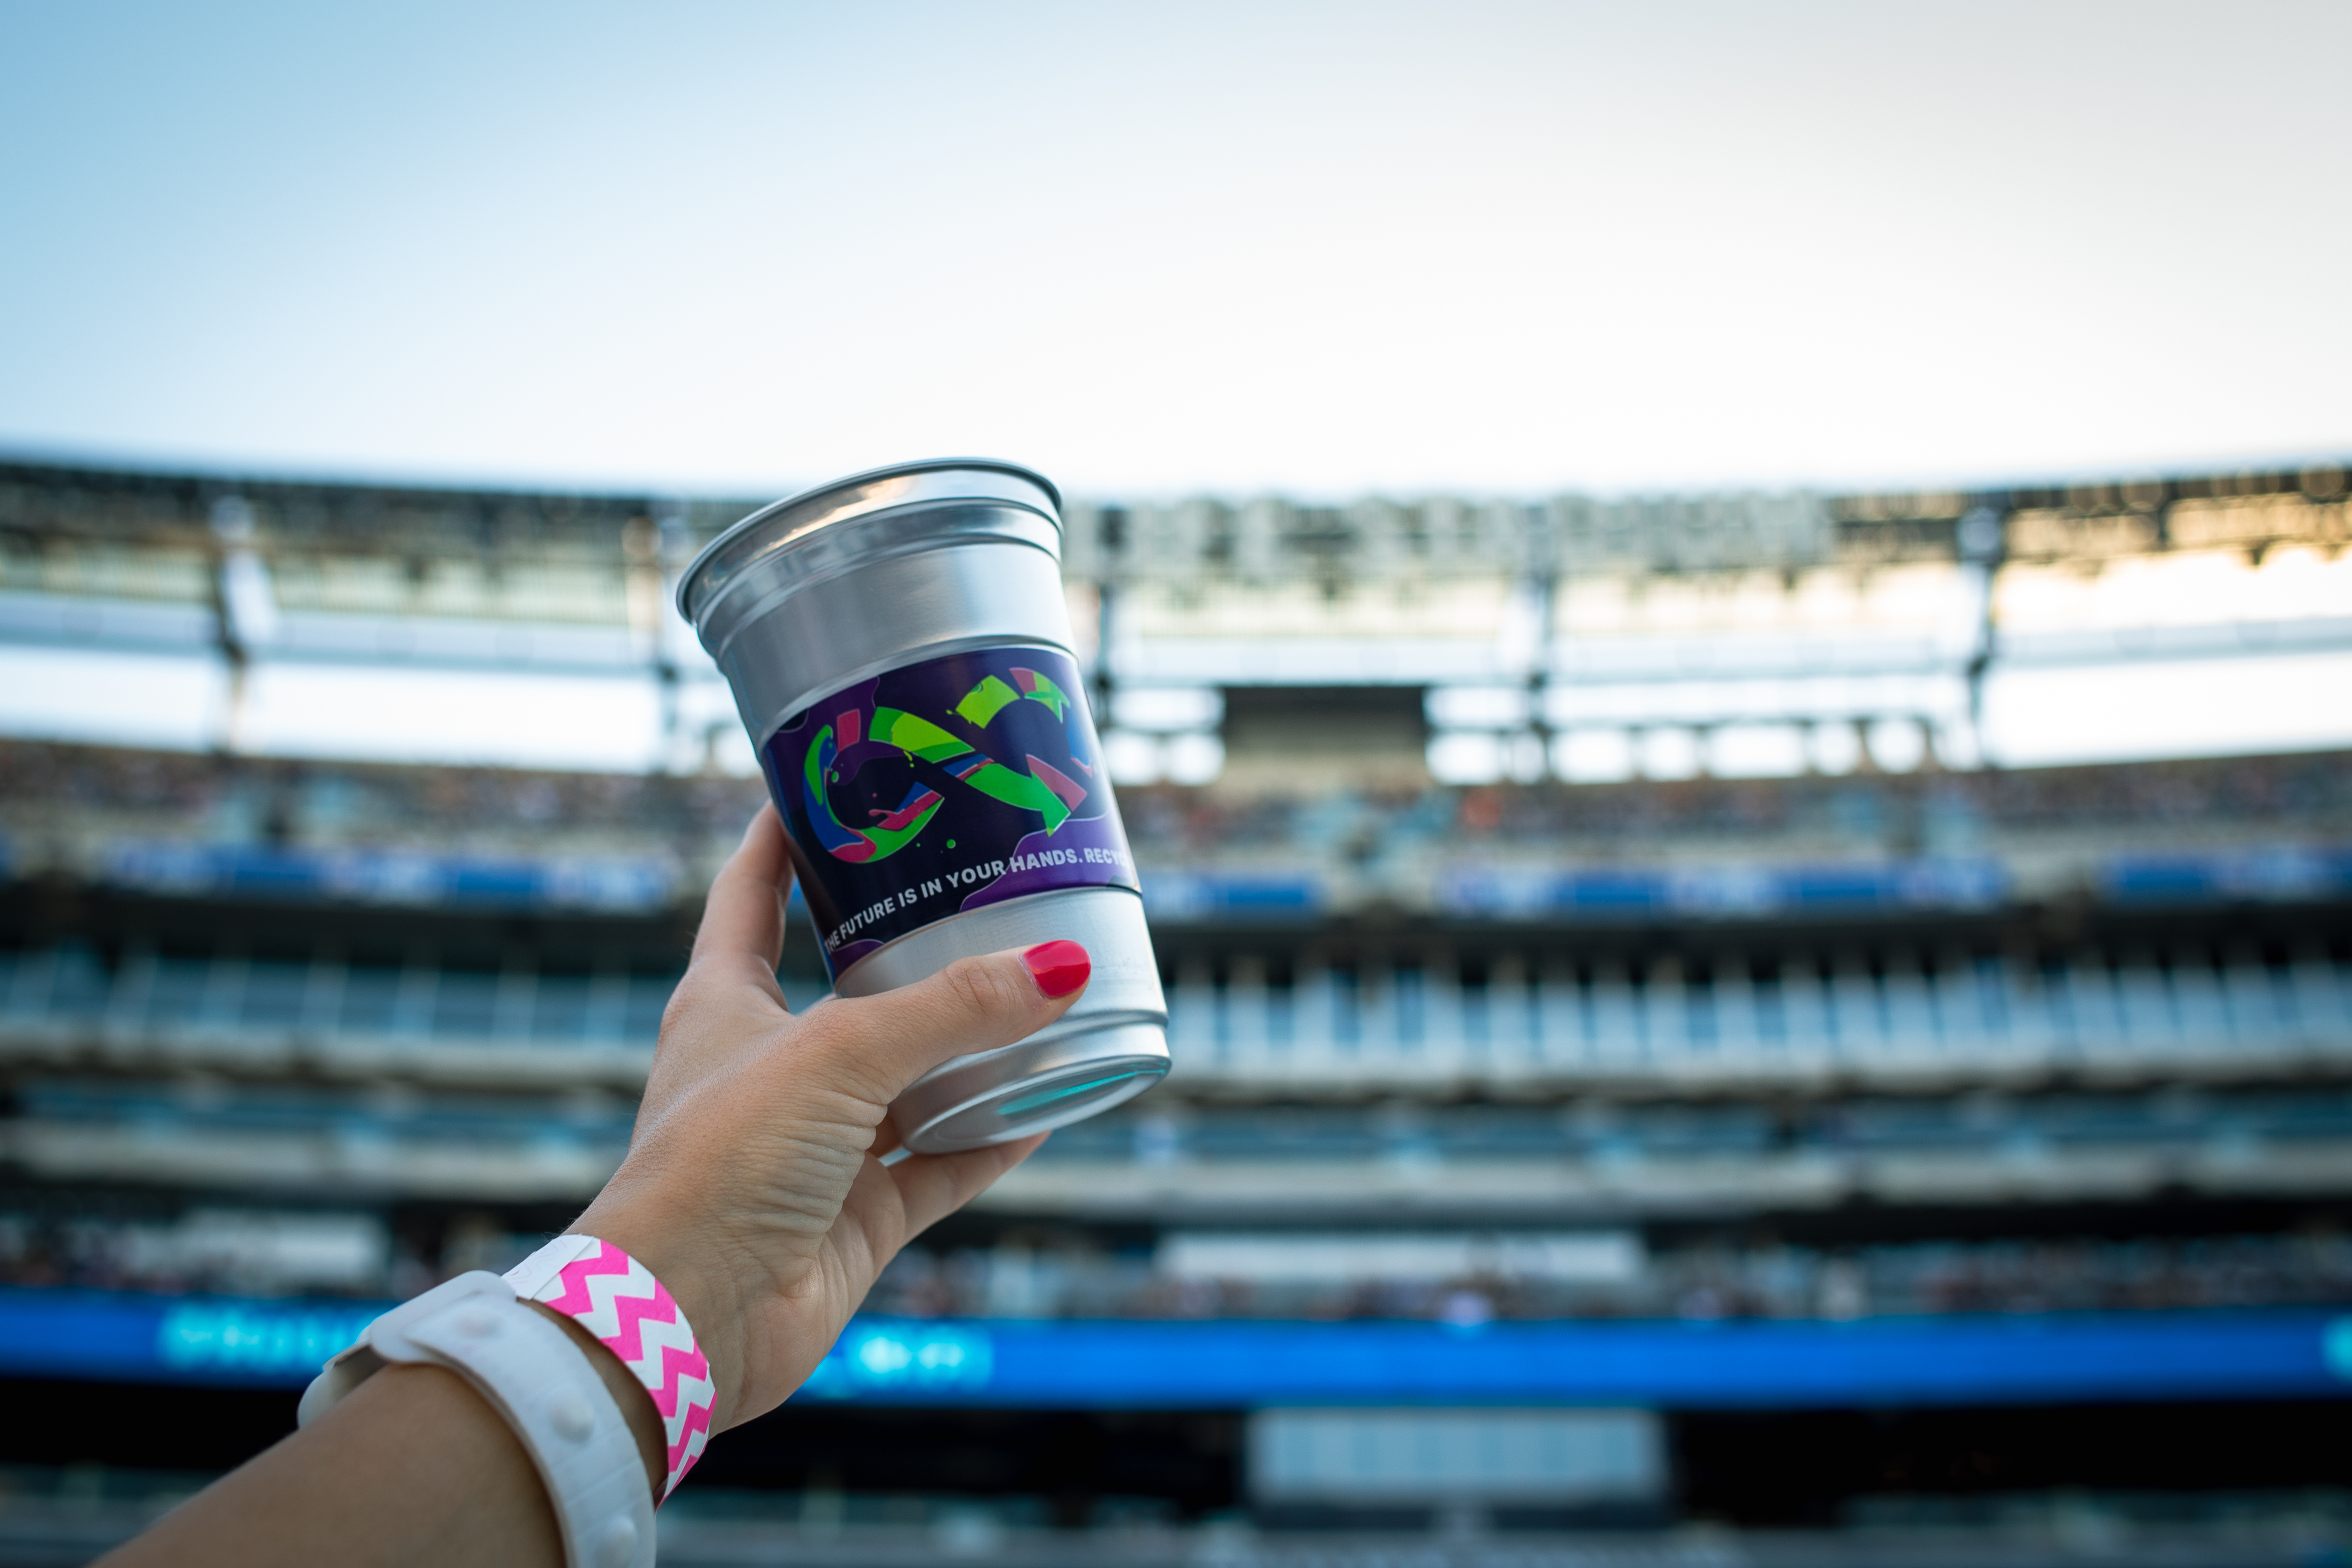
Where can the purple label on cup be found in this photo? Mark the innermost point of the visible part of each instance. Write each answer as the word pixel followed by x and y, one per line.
pixel 959 782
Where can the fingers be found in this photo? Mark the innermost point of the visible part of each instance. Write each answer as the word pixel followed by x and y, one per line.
pixel 743 921
pixel 933 1187
pixel 974 1004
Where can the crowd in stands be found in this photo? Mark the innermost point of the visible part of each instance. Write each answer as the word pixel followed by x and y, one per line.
pixel 291 801
pixel 1945 810
pixel 253 800
pixel 357 1255
pixel 1700 1282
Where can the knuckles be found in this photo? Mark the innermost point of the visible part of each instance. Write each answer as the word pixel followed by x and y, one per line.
pixel 859 1046
pixel 981 989
pixel 713 996
pixel 683 1006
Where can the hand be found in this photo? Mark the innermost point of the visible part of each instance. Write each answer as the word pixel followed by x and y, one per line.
pixel 753 1188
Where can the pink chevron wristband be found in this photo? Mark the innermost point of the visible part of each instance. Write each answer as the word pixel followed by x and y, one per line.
pixel 617 1299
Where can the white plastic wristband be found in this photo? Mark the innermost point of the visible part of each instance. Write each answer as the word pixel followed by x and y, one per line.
pixel 542 1382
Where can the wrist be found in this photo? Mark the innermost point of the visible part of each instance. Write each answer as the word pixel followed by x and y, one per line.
pixel 636 1405
pixel 712 1303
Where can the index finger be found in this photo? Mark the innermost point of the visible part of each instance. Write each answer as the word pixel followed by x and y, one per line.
pixel 743 918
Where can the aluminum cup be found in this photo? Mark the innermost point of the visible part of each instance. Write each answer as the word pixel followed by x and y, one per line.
pixel 900 651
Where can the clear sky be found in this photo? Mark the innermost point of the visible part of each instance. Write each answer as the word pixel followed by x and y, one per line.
pixel 1325 248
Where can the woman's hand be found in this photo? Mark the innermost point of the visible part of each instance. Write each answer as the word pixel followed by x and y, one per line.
pixel 752 1186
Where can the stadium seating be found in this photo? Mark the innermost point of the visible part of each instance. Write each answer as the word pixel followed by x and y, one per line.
pixel 1596 954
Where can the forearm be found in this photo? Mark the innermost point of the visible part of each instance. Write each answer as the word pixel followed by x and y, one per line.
pixel 414 1466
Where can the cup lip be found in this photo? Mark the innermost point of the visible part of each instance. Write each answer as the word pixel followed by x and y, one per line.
pixel 689 580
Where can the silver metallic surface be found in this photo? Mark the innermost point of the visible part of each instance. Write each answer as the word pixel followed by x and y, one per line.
pixel 1123 1014
pixel 915 562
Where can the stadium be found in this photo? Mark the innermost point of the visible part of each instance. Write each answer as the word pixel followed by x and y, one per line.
pixel 1668 1068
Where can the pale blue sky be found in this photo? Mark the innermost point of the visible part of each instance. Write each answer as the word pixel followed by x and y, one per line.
pixel 1326 249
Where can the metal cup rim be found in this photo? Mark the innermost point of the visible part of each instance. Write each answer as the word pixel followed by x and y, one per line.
pixel 689 582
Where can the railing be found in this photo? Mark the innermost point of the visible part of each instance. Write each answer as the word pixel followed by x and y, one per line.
pixel 63 1004
pixel 1983 1019
pixel 1987 1019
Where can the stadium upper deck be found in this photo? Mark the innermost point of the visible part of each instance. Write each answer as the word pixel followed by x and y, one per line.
pixel 1585 640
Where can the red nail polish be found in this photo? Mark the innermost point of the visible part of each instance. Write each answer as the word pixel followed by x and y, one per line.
pixel 1060 967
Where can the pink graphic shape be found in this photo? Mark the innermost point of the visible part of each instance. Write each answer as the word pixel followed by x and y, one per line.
pixel 894 820
pixel 1071 792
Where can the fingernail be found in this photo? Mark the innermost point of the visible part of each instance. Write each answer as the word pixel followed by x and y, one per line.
pixel 1059 967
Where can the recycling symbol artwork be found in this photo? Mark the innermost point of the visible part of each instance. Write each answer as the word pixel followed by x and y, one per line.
pixel 856 737
pixel 946 785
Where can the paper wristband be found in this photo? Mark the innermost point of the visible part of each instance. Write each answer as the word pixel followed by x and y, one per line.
pixel 617 1299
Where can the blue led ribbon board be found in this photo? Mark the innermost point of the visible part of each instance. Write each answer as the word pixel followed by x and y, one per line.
pixel 2057 1358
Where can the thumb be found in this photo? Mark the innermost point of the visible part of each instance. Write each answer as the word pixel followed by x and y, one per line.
pixel 888 1040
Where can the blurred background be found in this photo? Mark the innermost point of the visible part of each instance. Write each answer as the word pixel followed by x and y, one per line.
pixel 1726 636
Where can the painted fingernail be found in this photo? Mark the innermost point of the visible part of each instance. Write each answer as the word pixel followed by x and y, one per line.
pixel 1059 967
